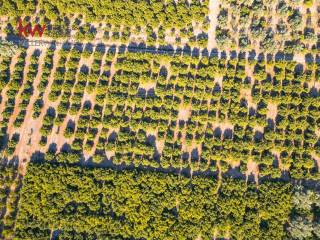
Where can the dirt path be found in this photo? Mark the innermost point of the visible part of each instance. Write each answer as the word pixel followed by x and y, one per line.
pixel 57 135
pixel 252 168
pixel 299 58
pixel 276 154
pixel 213 15
pixel 246 94
pixel 36 136
pixel 95 143
pixel 25 148
pixel 59 138
pixel 272 111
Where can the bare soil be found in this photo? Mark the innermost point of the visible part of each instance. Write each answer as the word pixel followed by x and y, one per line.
pixel 25 146
pixel 253 168
pixel 272 111
pixel 213 14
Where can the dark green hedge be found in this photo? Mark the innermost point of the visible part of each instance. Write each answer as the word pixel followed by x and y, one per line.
pixel 105 204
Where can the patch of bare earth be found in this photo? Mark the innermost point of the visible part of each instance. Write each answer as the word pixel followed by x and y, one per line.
pixel 252 168
pixel 214 6
pixel 225 125
pixel 248 70
pixel 276 154
pixel 299 58
pixel 25 147
pixel 316 157
pixel 315 84
pixel 148 86
pixel 246 94
pixel 184 113
pixel 218 80
pixel 272 111
pixel 258 129
pixel 36 136
pixel 160 145
pixel 317 131
pixel 110 154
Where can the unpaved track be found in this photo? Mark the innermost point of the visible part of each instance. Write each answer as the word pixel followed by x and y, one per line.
pixel 37 123
pixel 213 14
pixel 25 148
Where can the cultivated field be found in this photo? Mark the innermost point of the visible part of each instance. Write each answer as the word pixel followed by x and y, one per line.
pixel 132 120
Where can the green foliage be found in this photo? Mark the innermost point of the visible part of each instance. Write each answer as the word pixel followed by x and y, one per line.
pixel 8 199
pixel 123 21
pixel 147 205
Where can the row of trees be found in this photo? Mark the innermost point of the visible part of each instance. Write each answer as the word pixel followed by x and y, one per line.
pixel 171 13
pixel 9 196
pixel 46 71
pixel 161 111
pixel 27 89
pixel 4 79
pixel 13 82
pixel 121 109
pixel 222 128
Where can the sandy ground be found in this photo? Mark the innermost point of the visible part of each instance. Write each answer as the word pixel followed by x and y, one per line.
pixel 160 145
pixel 37 123
pixel 276 154
pixel 25 147
pixel 246 94
pixel 317 159
pixel 223 126
pixel 184 113
pixel 148 86
pixel 317 85
pixel 213 14
pixel 110 154
pixel 299 58
pixel 258 129
pixel 317 132
pixel 272 111
pixel 253 168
